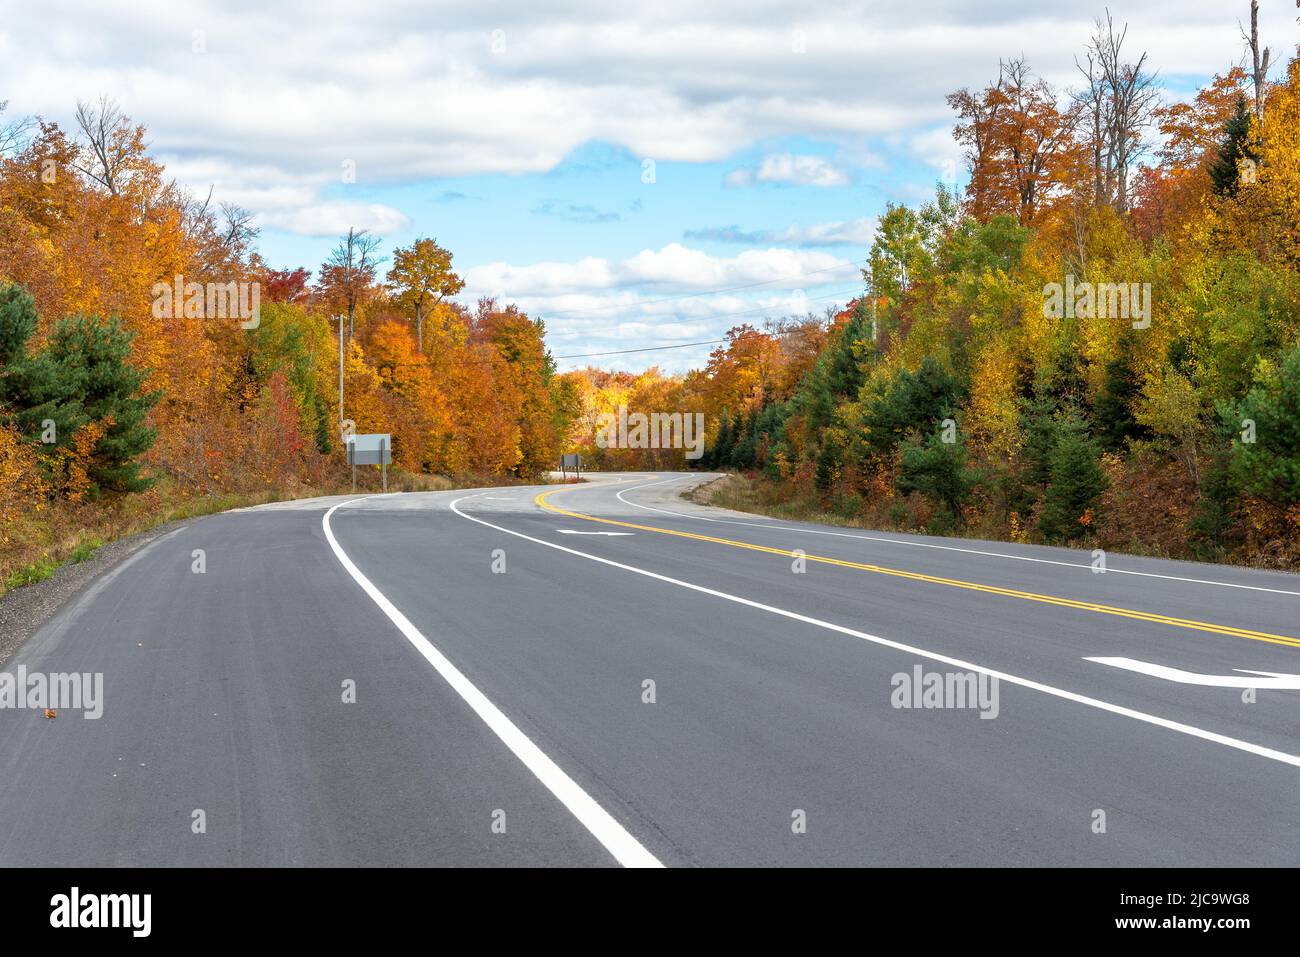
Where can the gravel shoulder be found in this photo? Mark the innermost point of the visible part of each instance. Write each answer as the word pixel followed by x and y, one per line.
pixel 24 610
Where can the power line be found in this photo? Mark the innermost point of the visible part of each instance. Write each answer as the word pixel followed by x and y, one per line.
pixel 621 352
pixel 678 345
pixel 690 295
pixel 726 315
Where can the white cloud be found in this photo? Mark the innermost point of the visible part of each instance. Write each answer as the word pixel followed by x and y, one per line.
pixel 669 295
pixel 940 150
pixel 301 84
pixel 283 94
pixel 334 218
pixel 674 268
pixel 790 169
pixel 851 232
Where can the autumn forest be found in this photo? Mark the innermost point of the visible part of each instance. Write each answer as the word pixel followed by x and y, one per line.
pixel 1095 341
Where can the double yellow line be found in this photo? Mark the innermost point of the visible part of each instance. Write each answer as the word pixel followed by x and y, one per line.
pixel 541 501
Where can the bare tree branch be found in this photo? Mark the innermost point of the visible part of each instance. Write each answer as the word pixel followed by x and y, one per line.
pixel 1121 99
pixel 13 134
pixel 106 141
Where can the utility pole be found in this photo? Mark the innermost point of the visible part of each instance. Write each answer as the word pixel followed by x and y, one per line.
pixel 340 374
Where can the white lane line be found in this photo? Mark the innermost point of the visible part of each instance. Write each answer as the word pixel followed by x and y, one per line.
pixel 1110 570
pixel 626 849
pixel 1237 743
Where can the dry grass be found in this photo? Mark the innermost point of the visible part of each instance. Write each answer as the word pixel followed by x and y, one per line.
pixel 743 494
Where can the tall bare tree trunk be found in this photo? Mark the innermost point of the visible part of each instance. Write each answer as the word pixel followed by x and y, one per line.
pixel 1259 59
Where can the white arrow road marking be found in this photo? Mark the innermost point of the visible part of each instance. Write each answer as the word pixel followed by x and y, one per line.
pixel 1250 748
pixel 570 531
pixel 1271 679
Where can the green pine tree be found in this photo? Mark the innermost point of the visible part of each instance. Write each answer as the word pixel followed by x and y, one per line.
pixel 1268 466
pixel 1075 484
pixel 29 391
pixel 720 457
pixel 910 403
pixel 1112 414
pixel 92 369
pixel 1039 425
pixel 937 469
pixel 743 454
pixel 1225 171
pixel 81 376
pixel 828 463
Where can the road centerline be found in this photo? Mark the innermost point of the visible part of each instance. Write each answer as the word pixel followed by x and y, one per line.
pixel 541 501
pixel 1239 744
pixel 1111 570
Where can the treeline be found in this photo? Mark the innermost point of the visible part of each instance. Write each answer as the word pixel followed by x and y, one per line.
pixel 116 395
pixel 1084 348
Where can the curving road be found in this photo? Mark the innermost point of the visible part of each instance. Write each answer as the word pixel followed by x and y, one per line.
pixel 605 674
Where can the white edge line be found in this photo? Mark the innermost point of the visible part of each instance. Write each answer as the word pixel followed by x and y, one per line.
pixel 1237 743
pixel 627 850
pixel 946 548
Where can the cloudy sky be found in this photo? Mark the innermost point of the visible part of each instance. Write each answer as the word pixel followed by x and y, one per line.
pixel 636 174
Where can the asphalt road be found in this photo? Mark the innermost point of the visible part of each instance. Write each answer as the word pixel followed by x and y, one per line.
pixel 612 675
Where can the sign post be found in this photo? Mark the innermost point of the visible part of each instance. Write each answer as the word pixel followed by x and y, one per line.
pixel 570 460
pixel 372 449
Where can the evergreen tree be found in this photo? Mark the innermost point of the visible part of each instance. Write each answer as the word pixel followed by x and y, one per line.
pixel 1039 427
pixel 1076 481
pixel 1217 509
pixel 743 454
pixel 828 462
pixel 91 369
pixel 936 469
pixel 17 323
pixel 1064 379
pixel 844 372
pixel 28 389
pixel 1113 412
pixel 836 376
pixel 82 376
pixel 1225 171
pixel 1269 466
pixel 721 455
pixel 769 433
pixel 911 403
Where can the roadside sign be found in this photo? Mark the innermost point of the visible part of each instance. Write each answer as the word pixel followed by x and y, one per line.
pixel 372 449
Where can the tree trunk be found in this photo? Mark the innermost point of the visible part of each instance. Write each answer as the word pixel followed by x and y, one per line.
pixel 1260 59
